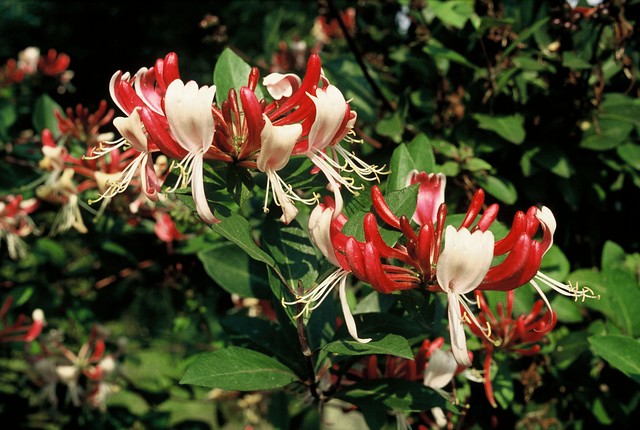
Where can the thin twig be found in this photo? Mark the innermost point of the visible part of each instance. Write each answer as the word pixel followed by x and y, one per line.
pixel 358 56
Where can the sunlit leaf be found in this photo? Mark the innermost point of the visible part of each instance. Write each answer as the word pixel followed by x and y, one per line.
pixel 234 368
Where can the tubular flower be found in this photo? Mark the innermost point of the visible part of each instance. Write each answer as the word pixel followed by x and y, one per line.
pixel 463 264
pixel 188 111
pixel 325 118
pixel 431 365
pixel 460 265
pixel 519 335
pixel 20 330
pixel 15 223
pixel 322 226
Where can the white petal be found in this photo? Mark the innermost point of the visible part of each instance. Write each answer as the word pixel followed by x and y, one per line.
pixel 440 370
pixel 188 110
pixel 320 232
pixel 276 145
pixel 348 317
pixel 280 85
pixel 199 197
pixel 131 129
pixel 330 111
pixel 465 259
pixel 456 331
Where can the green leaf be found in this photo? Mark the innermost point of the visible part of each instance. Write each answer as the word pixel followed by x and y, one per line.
pixel 231 71
pixel 510 127
pixel 416 155
pixel 443 55
pixel 500 188
pixel 573 61
pixel 503 386
pixel 8 116
pixel 630 154
pixel 390 344
pixel 524 35
pixel 291 249
pixel 391 126
pixel 621 352
pixel 453 13
pixel 613 256
pixel 235 271
pixel 43 115
pixel 236 228
pixel 392 394
pixel 234 368
pixel 611 133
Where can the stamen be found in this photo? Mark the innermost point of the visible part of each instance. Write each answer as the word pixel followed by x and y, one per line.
pixel 470 318
pixel 314 297
pixel 567 289
pixel 102 148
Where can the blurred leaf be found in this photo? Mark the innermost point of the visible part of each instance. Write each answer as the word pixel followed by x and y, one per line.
pixel 235 271
pixel 503 386
pixel 416 155
pixel 453 13
pixel 7 117
pixel 442 55
pixel 234 368
pixel 569 348
pixel 510 128
pixel 500 188
pixel 231 71
pixel 630 154
pixel 524 35
pixel 391 344
pixel 613 256
pixel 611 134
pixel 621 352
pixel 53 251
pixel 573 61
pixel 474 164
pixel 43 115
pixel 391 126
pixel 393 394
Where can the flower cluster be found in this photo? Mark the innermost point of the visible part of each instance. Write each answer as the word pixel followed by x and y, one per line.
pixel 30 63
pixel 520 335
pixel 431 365
pixel 307 117
pixel 20 330
pixel 15 223
pixel 434 256
pixel 88 376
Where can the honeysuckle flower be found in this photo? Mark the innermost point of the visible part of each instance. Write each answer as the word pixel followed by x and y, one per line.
pixel 20 330
pixel 276 146
pixel 28 60
pixel 440 370
pixel 141 166
pixel 322 224
pixel 463 264
pixel 188 111
pixel 65 193
pixel 281 85
pixel 430 195
pixel 54 63
pixel 519 335
pixel 15 223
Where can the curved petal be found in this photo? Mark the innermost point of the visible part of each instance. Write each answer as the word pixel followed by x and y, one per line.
pixel 456 331
pixel 199 197
pixel 277 144
pixel 188 111
pixel 131 129
pixel 330 111
pixel 465 259
pixel 440 370
pixel 281 85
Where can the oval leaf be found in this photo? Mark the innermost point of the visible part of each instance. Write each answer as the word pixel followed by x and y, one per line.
pixel 235 368
pixel 390 344
pixel 621 352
